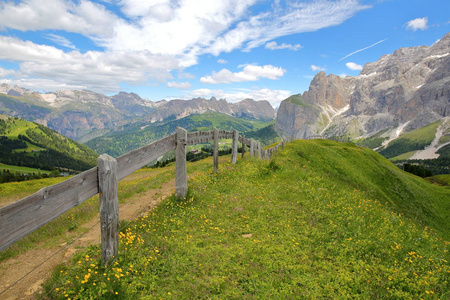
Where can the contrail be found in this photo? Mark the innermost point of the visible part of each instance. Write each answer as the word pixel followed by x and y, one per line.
pixel 362 49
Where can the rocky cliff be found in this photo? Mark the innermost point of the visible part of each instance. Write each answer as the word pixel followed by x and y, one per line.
pixel 400 92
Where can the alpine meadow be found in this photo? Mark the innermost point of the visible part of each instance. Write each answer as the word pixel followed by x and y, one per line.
pixel 308 224
pixel 225 149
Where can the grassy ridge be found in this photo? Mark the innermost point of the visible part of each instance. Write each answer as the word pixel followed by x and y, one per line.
pixel 322 220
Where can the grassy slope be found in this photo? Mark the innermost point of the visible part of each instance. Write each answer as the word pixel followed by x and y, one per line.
pixel 22 169
pixel 48 139
pixel 322 220
pixel 414 140
pixel 137 135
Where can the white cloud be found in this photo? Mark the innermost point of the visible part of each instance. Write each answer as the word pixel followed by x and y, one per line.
pixel 178 29
pixel 353 66
pixel 94 70
pixel 317 68
pixel 222 61
pixel 273 96
pixel 185 75
pixel 147 40
pixel 178 85
pixel 60 40
pixel 416 24
pixel 281 21
pixel 85 17
pixel 275 46
pixel 249 73
pixel 5 72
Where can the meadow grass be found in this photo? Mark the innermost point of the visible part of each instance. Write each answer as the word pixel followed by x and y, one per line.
pixel 322 220
pixel 22 170
pixel 70 224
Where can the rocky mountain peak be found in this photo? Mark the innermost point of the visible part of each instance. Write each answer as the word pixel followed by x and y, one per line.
pixel 409 87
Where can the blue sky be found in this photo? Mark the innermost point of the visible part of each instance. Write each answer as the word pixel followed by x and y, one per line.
pixel 232 49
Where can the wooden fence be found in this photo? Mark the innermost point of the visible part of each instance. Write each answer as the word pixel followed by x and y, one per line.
pixel 28 214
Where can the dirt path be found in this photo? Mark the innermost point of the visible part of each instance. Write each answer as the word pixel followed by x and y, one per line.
pixel 35 266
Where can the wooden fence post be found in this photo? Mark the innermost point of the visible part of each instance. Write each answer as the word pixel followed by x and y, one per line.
pixel 216 150
pixel 234 151
pixel 180 164
pixel 109 207
pixel 259 150
pixel 243 145
pixel 252 148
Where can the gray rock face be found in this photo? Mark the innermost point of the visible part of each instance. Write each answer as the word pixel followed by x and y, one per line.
pixel 411 86
pixel 83 115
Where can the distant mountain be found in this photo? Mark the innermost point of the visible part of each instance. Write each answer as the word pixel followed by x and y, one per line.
pixel 139 134
pixel 28 144
pixel 399 93
pixel 83 115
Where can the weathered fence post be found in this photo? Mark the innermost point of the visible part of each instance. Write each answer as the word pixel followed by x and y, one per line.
pixel 259 150
pixel 252 148
pixel 243 145
pixel 109 207
pixel 234 147
pixel 180 164
pixel 216 150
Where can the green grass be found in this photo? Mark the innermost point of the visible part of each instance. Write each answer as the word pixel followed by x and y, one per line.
pixel 323 220
pixel 70 224
pixel 443 180
pixel 373 141
pixel 403 156
pixel 415 140
pixel 22 169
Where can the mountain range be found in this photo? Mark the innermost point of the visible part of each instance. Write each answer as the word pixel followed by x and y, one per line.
pixel 398 105
pixel 84 115
pixel 399 93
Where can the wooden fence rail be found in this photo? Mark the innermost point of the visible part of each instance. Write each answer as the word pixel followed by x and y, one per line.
pixel 28 214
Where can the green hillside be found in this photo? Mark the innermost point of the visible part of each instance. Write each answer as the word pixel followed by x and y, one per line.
pixel 322 220
pixel 139 134
pixel 411 141
pixel 29 144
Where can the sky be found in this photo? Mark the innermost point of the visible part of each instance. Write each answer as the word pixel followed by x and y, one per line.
pixel 182 49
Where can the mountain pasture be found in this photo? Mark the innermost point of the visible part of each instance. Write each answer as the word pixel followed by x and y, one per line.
pixel 321 220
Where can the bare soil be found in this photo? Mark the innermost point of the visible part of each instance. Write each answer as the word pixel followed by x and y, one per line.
pixel 21 277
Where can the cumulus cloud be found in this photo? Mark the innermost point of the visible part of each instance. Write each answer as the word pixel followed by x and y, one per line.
pixel 249 73
pixel 178 85
pixel 147 40
pixel 317 68
pixel 273 96
pixel 353 66
pixel 275 46
pixel 416 24
pixel 94 70
pixel 84 17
